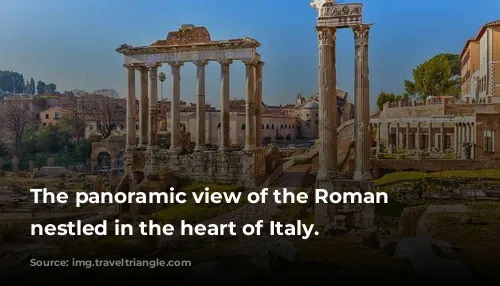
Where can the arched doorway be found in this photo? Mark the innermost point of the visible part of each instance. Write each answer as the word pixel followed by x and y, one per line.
pixel 104 159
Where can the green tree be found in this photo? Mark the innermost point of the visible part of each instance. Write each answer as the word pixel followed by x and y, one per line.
pixel 454 60
pixel 161 77
pixel 384 97
pixel 50 88
pixel 32 86
pixel 40 87
pixel 12 82
pixel 433 77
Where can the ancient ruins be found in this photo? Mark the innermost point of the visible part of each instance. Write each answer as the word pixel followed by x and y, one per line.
pixel 332 17
pixel 192 44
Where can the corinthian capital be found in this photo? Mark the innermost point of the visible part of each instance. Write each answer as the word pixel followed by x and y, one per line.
pixel 326 36
pixel 361 33
pixel 201 63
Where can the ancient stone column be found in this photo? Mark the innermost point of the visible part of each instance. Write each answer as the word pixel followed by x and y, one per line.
pixel 153 106
pixel 175 145
pixel 143 108
pixel 131 107
pixel 473 141
pixel 455 138
pixel 258 104
pixel 407 136
pixel 327 83
pixel 249 106
pixel 379 125
pixel 417 137
pixel 389 139
pixel 224 104
pixel 443 138
pixel 200 105
pixel 429 148
pixel 397 136
pixel 362 102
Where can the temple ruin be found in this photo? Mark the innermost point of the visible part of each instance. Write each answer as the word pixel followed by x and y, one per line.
pixel 332 17
pixel 192 44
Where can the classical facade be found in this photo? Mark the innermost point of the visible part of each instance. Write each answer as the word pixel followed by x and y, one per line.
pixel 442 130
pixel 480 64
pixel 192 44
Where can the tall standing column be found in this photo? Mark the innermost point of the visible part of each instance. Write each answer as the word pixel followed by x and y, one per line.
pixel 389 137
pixel 417 137
pixel 327 82
pixel 131 107
pixel 407 136
pixel 143 108
pixel 379 126
pixel 175 145
pixel 443 138
pixel 153 106
pixel 473 141
pixel 200 105
pixel 362 102
pixel 397 136
pixel 429 148
pixel 455 138
pixel 224 104
pixel 249 106
pixel 258 104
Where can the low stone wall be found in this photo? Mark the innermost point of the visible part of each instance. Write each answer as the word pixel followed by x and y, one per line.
pixel 235 167
pixel 382 167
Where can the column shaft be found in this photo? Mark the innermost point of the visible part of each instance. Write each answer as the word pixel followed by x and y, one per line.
pixel 200 105
pixel 224 104
pixel 379 126
pixel 250 106
pixel 443 138
pixel 153 106
pixel 407 136
pixel 397 136
pixel 131 108
pixel 417 138
pixel 143 108
pixel 258 105
pixel 362 102
pixel 175 135
pixel 429 147
pixel 327 104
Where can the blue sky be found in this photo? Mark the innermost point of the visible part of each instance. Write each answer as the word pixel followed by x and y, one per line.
pixel 66 41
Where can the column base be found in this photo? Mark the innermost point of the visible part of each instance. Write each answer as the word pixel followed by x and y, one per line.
pixel 152 148
pixel 224 149
pixel 175 150
pixel 249 148
pixel 327 175
pixel 199 148
pixel 362 176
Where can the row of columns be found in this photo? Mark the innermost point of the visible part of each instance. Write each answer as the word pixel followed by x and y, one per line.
pixel 148 136
pixel 327 82
pixel 463 133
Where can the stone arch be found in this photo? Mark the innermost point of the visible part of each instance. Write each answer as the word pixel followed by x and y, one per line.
pixel 272 126
pixel 104 159
pixel 219 125
pixel 267 126
pixel 243 127
pixel 288 137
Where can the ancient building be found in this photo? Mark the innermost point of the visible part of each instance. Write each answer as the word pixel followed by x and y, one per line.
pixel 480 68
pixel 192 44
pixel 331 17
